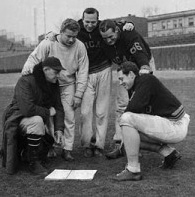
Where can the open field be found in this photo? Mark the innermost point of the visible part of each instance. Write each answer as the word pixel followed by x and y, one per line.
pixel 179 181
pixel 10 79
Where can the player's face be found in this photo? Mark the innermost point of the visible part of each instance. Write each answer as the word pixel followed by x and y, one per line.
pixel 126 80
pixel 51 75
pixel 90 21
pixel 110 36
pixel 68 37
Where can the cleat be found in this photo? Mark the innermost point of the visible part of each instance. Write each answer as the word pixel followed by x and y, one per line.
pixel 88 152
pixel 51 153
pixel 36 168
pixel 119 151
pixel 98 152
pixel 170 160
pixel 126 175
pixel 66 154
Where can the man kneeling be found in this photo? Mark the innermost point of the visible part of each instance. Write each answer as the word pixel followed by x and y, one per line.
pixel 153 118
pixel 35 103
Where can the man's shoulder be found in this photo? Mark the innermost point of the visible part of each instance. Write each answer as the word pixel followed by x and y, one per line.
pixel 129 35
pixel 148 79
pixel 26 79
pixel 79 43
pixel 46 43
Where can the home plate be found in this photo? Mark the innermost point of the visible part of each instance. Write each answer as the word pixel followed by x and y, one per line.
pixel 59 174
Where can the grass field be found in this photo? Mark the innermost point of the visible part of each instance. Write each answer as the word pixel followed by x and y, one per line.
pixel 178 182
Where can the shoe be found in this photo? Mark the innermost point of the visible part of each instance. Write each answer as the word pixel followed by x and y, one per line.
pixel 119 151
pixel 37 169
pixel 45 162
pixel 170 160
pixel 88 152
pixel 66 154
pixel 126 175
pixel 98 152
pixel 51 153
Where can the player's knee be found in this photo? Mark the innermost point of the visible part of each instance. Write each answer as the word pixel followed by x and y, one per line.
pixel 38 120
pixel 38 126
pixel 127 118
pixel 85 113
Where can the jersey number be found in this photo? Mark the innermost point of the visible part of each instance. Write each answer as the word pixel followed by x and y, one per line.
pixel 135 47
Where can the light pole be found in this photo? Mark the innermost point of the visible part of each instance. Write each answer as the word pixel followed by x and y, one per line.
pixel 35 24
pixel 44 16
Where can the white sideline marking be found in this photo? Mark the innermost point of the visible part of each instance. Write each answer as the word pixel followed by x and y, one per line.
pixel 173 46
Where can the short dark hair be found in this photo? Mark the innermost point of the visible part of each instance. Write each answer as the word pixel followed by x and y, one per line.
pixel 128 66
pixel 70 24
pixel 107 24
pixel 91 11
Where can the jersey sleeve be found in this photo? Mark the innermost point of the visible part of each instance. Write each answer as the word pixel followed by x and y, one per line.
pixel 137 50
pixel 140 98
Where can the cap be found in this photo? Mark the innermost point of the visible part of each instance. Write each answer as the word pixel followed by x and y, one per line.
pixel 53 63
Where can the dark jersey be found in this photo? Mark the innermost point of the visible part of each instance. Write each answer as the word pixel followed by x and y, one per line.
pixel 150 96
pixel 97 59
pixel 130 46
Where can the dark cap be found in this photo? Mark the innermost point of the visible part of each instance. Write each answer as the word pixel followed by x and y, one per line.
pixel 53 63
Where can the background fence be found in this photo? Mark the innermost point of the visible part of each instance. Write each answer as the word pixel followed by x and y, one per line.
pixel 177 57
pixel 13 63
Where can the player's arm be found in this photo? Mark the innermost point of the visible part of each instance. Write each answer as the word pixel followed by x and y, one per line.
pixel 125 26
pixel 139 54
pixel 139 101
pixel 26 100
pixel 52 36
pixel 38 55
pixel 82 76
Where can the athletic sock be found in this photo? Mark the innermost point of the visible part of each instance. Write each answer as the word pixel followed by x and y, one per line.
pixel 166 150
pixel 133 167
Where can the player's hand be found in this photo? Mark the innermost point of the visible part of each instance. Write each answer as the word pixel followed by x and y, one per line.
pixel 145 70
pixel 59 137
pixel 76 102
pixel 27 70
pixel 52 111
pixel 128 26
pixel 51 36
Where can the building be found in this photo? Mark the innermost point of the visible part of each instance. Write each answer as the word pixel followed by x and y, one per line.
pixel 172 24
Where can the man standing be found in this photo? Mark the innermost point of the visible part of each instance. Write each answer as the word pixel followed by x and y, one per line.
pixel 73 80
pixel 119 46
pixel 35 104
pixel 96 98
pixel 95 102
pixel 153 118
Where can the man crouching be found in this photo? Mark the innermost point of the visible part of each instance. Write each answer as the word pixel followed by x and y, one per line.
pixel 35 103
pixel 153 119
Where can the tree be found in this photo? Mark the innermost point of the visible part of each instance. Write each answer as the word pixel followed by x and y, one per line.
pixel 149 11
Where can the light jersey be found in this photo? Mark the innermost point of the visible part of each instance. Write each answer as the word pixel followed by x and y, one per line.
pixel 74 59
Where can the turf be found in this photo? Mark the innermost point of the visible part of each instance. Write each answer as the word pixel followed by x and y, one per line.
pixel 157 182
